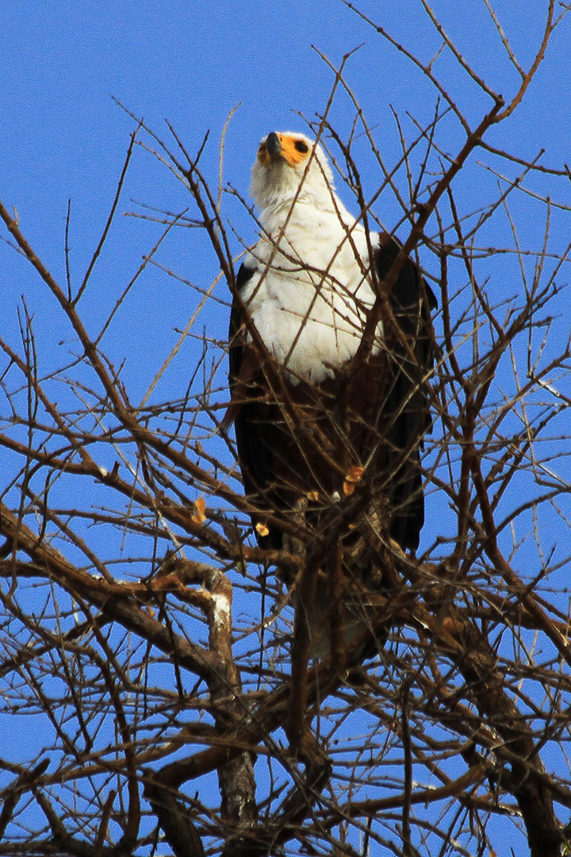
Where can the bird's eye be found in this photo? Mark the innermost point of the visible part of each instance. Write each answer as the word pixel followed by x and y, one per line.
pixel 301 146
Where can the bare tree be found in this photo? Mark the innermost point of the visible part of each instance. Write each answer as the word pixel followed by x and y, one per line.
pixel 152 640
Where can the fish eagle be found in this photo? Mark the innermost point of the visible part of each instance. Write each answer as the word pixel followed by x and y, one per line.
pixel 328 380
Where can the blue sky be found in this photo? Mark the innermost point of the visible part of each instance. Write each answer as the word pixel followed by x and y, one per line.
pixel 62 136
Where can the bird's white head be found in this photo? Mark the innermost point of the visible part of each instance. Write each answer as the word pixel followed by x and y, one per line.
pixel 291 166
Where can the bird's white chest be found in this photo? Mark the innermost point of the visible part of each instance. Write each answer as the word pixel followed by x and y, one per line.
pixel 310 295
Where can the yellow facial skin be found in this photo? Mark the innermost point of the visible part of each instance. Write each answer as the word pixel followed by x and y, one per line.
pixel 293 151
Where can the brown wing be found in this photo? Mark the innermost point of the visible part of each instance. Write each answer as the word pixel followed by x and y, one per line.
pixel 407 416
pixel 254 418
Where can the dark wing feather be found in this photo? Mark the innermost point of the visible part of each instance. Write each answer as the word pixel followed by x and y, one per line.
pixel 236 348
pixel 245 378
pixel 407 417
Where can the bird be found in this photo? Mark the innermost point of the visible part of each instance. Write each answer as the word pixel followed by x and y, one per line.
pixel 329 395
